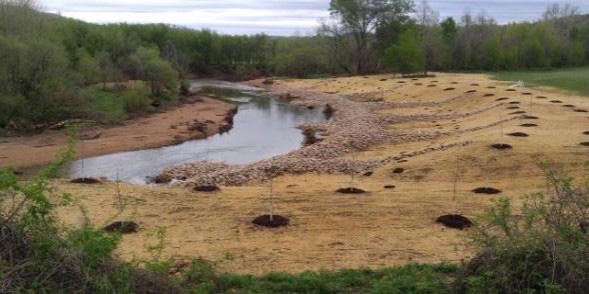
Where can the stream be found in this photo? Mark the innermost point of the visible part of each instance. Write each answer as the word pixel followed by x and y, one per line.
pixel 264 127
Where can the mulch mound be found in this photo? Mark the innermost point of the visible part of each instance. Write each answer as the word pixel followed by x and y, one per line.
pixel 501 146
pixel 518 134
pixel 390 187
pixel 555 101
pixel 530 117
pixel 123 227
pixel 350 190
pixel 274 221
pixel 581 110
pixel 527 93
pixel 489 95
pixel 470 91
pixel 569 106
pixel 528 125
pixel 513 107
pixel 486 190
pixel 449 89
pixel 518 112
pixel 541 97
pixel 510 90
pixel 502 99
pixel 399 170
pixel 368 174
pixel 206 189
pixel 86 181
pixel 586 133
pixel 584 144
pixel 454 221
pixel 514 102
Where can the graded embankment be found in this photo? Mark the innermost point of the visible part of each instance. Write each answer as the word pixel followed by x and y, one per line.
pixel 440 137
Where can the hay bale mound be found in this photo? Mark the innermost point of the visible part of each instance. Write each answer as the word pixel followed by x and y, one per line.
pixel 454 221
pixel 390 187
pixel 528 125
pixel 207 188
pixel 586 133
pixel 527 93
pixel 123 227
pixel 86 181
pixel 274 221
pixel 581 110
pixel 510 90
pixel 502 99
pixel 514 102
pixel 489 95
pixel 568 106
pixel 399 170
pixel 368 174
pixel 555 101
pixel 584 144
pixel 350 190
pixel 518 134
pixel 530 117
pixel 486 190
pixel 512 107
pixel 519 112
pixel 501 146
pixel 450 89
pixel 541 97
pixel 470 91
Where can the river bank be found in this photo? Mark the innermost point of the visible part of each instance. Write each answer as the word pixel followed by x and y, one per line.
pixel 409 183
pixel 199 118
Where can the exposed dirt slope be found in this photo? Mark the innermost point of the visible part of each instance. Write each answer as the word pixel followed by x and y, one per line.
pixel 172 127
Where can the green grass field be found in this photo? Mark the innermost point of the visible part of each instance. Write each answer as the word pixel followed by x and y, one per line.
pixel 574 79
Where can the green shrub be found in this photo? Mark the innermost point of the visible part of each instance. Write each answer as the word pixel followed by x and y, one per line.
pixel 38 255
pixel 136 100
pixel 542 250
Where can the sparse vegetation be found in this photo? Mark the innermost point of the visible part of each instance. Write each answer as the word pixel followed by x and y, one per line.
pixel 541 249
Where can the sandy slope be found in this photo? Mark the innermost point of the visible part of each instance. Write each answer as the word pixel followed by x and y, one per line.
pixel 386 226
pixel 147 132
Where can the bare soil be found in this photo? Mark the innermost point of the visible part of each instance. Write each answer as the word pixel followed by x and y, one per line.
pixel 162 129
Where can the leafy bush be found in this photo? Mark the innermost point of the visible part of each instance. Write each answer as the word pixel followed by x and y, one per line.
pixel 38 255
pixel 544 249
pixel 136 100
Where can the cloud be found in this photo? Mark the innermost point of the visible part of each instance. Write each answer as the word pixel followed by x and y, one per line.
pixel 275 17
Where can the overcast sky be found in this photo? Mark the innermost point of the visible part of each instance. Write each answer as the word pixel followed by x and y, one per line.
pixel 274 17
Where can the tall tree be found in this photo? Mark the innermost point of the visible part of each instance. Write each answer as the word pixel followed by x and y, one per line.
pixel 360 19
pixel 428 21
pixel 406 56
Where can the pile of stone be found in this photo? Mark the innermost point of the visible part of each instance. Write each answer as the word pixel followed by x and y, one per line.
pixel 353 127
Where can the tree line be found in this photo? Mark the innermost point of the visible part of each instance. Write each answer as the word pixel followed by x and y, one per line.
pixel 47 61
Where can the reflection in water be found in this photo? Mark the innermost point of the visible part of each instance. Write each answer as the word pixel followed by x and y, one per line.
pixel 263 127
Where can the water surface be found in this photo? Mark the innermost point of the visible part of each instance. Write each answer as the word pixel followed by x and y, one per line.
pixel 264 126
